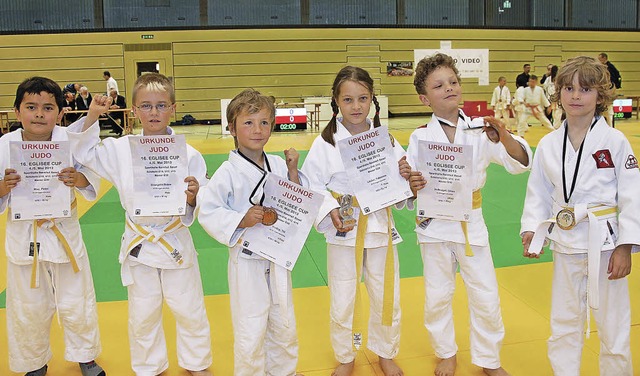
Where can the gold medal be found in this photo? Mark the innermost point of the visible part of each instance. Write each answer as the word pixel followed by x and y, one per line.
pixel 565 219
pixel 270 216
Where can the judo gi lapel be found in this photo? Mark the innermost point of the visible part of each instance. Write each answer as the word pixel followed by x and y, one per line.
pixel 254 174
pixel 596 136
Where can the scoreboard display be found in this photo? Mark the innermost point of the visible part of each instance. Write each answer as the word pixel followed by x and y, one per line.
pixel 288 119
pixel 622 108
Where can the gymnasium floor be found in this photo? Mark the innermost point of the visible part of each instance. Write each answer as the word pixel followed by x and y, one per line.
pixel 524 285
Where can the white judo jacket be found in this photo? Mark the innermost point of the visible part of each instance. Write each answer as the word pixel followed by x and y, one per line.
pixel 485 152
pixel 19 234
pixel 323 165
pixel 111 159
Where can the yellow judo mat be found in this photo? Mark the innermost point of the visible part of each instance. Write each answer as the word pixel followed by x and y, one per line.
pixel 525 293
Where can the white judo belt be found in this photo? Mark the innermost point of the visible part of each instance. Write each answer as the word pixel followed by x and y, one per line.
pixel 566 218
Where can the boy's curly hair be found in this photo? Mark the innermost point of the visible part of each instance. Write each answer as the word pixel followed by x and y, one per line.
pixel 429 64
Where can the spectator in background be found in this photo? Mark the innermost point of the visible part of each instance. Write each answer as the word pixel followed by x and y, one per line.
pixel 616 82
pixel 118 101
pixel 546 75
pixel 616 79
pixel 111 82
pixel 71 88
pixel 523 78
pixel 84 99
pixel 69 105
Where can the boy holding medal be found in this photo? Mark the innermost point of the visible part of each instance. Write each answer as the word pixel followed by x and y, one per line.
pixel 159 260
pixel 264 324
pixel 579 196
pixel 446 244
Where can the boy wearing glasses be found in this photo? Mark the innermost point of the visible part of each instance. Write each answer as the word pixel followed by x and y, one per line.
pixel 149 269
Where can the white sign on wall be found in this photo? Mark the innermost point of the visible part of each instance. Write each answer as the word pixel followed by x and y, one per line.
pixel 471 63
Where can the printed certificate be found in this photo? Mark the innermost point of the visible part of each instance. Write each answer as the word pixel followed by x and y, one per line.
pixel 39 194
pixel 159 168
pixel 297 208
pixel 448 169
pixel 373 170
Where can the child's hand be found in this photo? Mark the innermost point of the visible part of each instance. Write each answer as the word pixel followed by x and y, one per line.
pixel 405 169
pixel 192 189
pixel 10 180
pixel 254 215
pixel 620 262
pixel 291 156
pixel 416 182
pixel 99 105
pixel 337 221
pixel 494 128
pixel 73 178
pixel 68 176
pixel 527 237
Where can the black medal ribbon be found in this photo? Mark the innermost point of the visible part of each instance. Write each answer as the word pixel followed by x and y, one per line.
pixel 564 154
pixel 264 175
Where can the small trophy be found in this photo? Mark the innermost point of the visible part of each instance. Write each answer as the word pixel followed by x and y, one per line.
pixel 346 211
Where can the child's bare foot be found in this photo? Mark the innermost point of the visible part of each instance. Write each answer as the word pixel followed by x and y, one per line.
pixel 390 368
pixel 446 367
pixel 204 372
pixel 344 369
pixel 495 371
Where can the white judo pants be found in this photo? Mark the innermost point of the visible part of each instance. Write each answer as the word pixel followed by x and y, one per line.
pixel 487 330
pixel 538 114
pixel 30 311
pixel 569 313
pixel 556 115
pixel 503 114
pixel 384 341
pixel 263 344
pixel 182 290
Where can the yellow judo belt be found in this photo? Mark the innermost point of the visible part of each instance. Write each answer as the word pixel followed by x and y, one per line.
pixel 65 245
pixel 389 274
pixel 475 204
pixel 142 234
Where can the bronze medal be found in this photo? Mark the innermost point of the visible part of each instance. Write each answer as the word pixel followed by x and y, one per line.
pixel 270 216
pixel 565 219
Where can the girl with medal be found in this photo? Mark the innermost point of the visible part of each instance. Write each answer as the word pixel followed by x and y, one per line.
pixel 264 324
pixel 581 196
pixel 356 244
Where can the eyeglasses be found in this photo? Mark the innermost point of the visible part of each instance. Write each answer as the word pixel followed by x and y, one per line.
pixel 161 107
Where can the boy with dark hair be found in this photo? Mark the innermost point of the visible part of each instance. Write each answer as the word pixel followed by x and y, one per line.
pixel 59 279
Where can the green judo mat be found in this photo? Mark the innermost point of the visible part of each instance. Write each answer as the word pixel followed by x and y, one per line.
pixel 103 225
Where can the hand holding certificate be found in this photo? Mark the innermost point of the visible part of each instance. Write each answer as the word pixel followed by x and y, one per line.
pixel 371 163
pixel 448 171
pixel 160 169
pixel 40 193
pixel 280 236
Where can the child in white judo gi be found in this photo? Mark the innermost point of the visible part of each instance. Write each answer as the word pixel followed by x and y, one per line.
pixel 264 324
pixel 59 279
pixel 352 95
pixel 446 244
pixel 582 196
pixel 501 101
pixel 162 267
pixel 535 103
